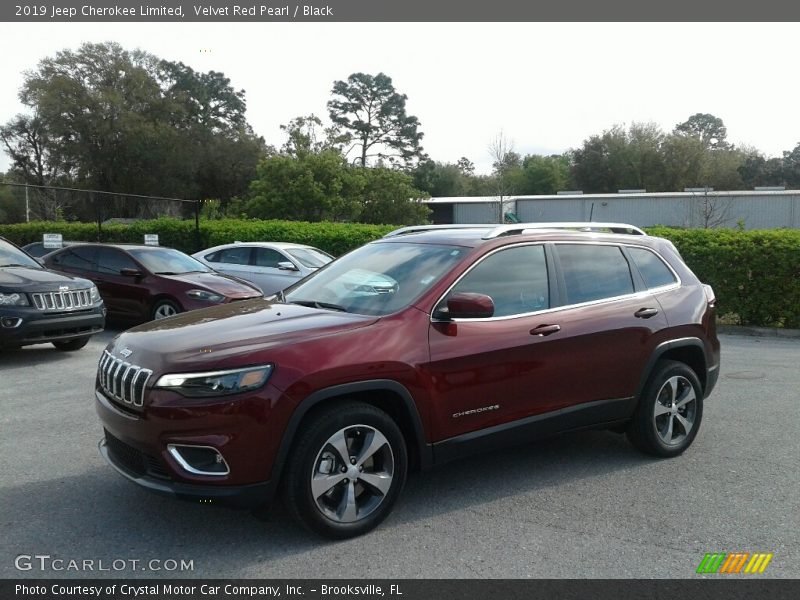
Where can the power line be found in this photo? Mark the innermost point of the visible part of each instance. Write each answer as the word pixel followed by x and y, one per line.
pixel 69 189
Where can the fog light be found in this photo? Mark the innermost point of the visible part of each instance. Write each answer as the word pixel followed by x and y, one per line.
pixel 199 460
pixel 10 322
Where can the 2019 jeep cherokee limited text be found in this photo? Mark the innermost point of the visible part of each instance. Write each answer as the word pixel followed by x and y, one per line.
pixel 421 347
pixel 39 306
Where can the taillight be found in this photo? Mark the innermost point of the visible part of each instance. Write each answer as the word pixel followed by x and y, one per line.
pixel 711 298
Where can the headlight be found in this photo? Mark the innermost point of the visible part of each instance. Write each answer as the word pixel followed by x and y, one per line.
pixel 14 299
pixel 216 383
pixel 205 295
pixel 95 293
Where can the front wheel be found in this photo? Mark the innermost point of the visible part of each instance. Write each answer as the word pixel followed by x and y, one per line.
pixel 163 309
pixel 346 470
pixel 71 345
pixel 669 412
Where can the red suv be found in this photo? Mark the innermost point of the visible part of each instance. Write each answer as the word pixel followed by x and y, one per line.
pixel 422 347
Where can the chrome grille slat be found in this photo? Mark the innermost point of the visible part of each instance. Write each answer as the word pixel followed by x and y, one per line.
pixel 122 380
pixel 62 301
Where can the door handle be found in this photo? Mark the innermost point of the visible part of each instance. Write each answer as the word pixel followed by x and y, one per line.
pixel 646 313
pixel 543 330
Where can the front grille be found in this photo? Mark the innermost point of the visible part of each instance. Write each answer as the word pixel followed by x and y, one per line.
pixel 63 301
pixel 122 380
pixel 134 460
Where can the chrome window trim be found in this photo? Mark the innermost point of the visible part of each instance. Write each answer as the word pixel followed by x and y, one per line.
pixel 175 454
pixel 635 294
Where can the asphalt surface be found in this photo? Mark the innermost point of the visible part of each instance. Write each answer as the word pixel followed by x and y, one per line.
pixel 582 505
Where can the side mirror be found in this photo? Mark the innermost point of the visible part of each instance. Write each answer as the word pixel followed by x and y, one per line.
pixel 467 305
pixel 286 265
pixel 130 272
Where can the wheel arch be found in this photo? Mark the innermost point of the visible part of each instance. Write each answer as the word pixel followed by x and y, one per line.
pixel 689 351
pixel 388 395
pixel 158 298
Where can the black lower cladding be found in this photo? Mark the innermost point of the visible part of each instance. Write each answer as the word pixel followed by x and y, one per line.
pixel 37 328
pixel 136 461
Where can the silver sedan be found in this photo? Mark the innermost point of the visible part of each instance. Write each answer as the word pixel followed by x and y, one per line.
pixel 272 266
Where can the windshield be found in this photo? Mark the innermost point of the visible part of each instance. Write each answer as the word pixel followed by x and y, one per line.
pixel 376 279
pixel 310 257
pixel 10 256
pixel 166 261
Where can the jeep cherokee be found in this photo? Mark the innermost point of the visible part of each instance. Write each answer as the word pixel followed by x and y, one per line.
pixel 424 346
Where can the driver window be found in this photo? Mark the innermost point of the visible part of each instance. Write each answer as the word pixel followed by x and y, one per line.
pixel 515 279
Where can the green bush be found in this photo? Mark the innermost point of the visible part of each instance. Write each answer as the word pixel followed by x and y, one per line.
pixel 335 238
pixel 755 274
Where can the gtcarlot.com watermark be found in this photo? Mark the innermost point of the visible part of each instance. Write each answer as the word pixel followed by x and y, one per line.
pixel 47 562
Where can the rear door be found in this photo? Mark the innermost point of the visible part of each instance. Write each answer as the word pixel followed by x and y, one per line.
pixel 235 261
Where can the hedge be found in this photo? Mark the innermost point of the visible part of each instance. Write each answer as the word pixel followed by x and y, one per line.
pixel 755 274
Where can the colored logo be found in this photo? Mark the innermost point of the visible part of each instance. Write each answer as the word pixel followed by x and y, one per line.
pixel 735 562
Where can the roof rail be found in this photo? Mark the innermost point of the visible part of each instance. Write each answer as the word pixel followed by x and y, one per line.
pixel 517 228
pixel 420 228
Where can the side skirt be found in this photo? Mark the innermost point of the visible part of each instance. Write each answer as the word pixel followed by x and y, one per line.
pixel 589 415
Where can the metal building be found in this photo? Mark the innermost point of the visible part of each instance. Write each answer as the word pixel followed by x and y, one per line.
pixel 754 209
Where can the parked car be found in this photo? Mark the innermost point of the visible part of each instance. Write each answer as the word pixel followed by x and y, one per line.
pixel 273 266
pixel 149 282
pixel 38 306
pixel 422 347
pixel 37 249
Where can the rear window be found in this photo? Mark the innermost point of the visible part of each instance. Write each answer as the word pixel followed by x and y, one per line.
pixel 593 272
pixel 654 272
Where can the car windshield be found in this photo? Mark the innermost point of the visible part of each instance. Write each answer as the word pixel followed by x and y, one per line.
pixel 310 257
pixel 13 257
pixel 167 261
pixel 376 279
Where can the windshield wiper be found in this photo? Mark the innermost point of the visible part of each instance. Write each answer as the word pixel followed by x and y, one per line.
pixel 19 265
pixel 316 304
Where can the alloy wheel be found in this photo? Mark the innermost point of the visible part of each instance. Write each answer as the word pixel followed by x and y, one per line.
pixel 674 410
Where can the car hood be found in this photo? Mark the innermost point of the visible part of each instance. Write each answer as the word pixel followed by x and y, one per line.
pixel 24 279
pixel 218 337
pixel 217 282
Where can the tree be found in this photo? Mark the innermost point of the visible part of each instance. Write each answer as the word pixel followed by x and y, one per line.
pixel 316 187
pixel 439 179
pixel 389 197
pixel 504 161
pixel 708 128
pixel 308 135
pixel 791 167
pixel 373 113
pixel 542 174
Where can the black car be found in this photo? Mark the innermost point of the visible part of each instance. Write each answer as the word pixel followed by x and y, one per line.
pixel 39 306
pixel 37 249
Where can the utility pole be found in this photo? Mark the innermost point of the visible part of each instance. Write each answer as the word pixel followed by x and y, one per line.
pixel 27 206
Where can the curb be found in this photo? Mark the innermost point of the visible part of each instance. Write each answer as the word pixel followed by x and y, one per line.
pixel 773 332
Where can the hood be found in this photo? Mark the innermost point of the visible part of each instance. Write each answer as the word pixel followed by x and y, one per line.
pixel 213 338
pixel 216 282
pixel 24 279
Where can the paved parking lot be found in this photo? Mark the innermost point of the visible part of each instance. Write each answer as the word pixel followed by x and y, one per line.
pixel 582 505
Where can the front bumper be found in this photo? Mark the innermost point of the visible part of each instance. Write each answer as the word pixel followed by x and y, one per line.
pixel 240 496
pixel 137 440
pixel 36 327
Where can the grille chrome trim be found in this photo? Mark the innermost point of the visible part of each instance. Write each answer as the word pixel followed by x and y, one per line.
pixel 62 301
pixel 122 380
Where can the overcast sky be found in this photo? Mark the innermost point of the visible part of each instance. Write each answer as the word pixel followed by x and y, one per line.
pixel 547 86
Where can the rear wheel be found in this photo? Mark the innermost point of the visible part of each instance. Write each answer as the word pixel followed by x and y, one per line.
pixel 346 470
pixel 669 412
pixel 71 345
pixel 164 308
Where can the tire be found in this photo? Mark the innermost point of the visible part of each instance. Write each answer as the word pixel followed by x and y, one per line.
pixel 669 412
pixel 164 308
pixel 71 345
pixel 340 497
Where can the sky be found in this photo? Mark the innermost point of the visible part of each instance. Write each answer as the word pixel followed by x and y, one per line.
pixel 546 86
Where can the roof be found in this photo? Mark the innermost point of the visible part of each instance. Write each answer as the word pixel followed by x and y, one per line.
pixel 509 199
